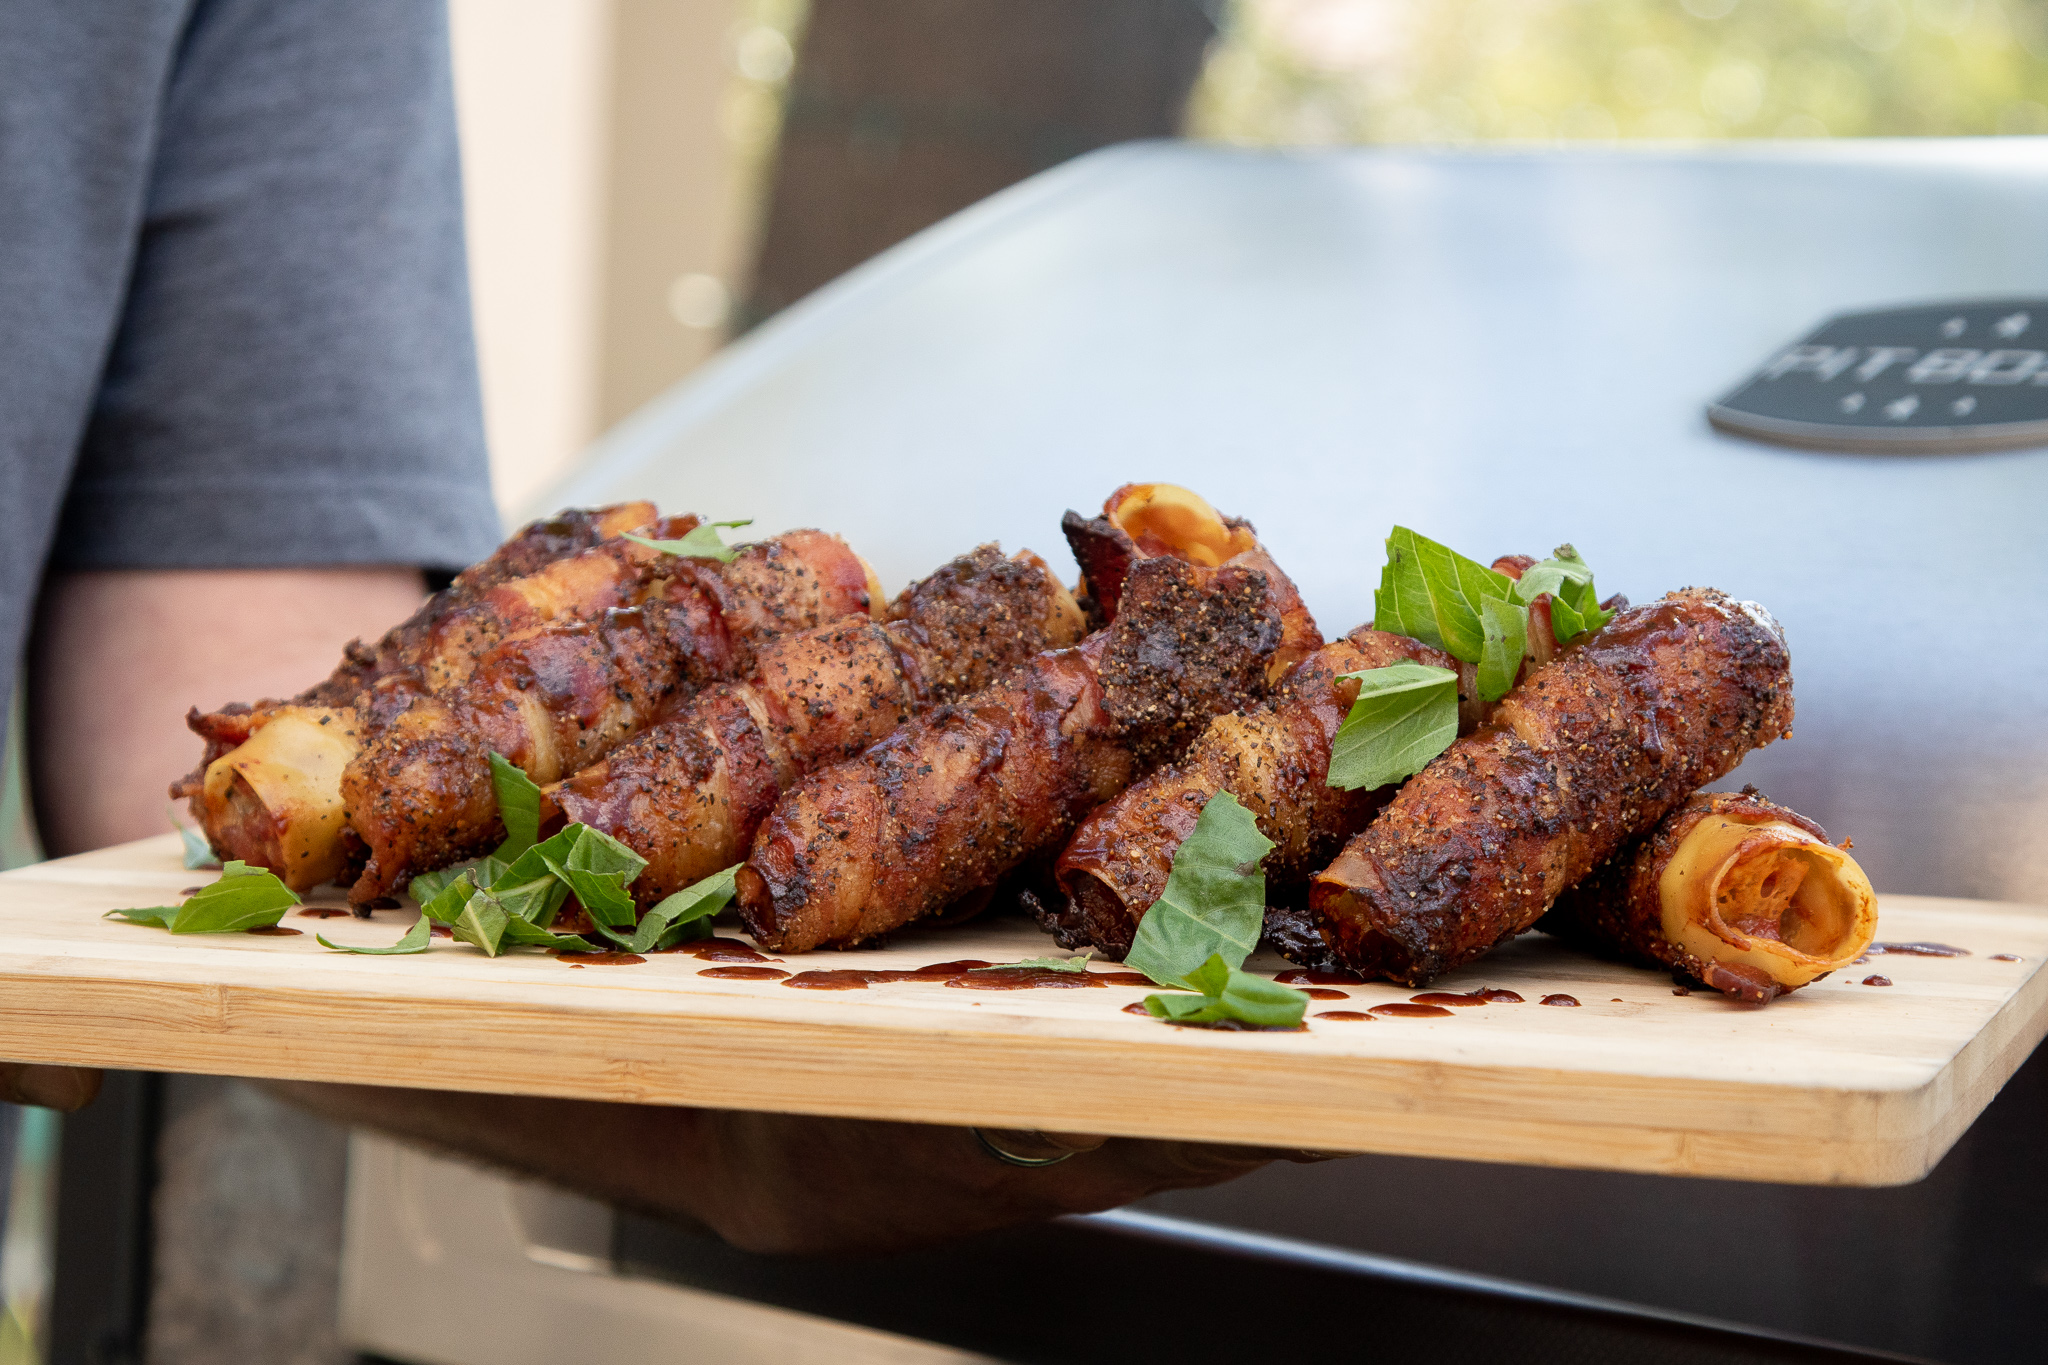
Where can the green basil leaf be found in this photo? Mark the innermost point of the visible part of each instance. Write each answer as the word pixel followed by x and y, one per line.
pixel 1564 569
pixel 1231 995
pixel 1566 623
pixel 518 806
pixel 415 940
pixel 1574 601
pixel 445 905
pixel 1406 714
pixel 1507 637
pixel 244 897
pixel 703 542
pixel 521 934
pixel 602 895
pixel 198 852
pixel 596 851
pixel 1076 963
pixel 685 915
pixel 427 885
pixel 159 916
pixel 482 922
pixel 1431 593
pixel 1215 898
pixel 529 888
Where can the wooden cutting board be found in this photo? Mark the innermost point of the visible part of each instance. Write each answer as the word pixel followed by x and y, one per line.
pixel 1841 1083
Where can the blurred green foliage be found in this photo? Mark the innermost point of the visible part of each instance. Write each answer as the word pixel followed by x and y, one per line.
pixel 1451 71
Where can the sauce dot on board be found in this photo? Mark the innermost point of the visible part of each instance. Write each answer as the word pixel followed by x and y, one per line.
pixel 274 931
pixel 1877 981
pixel 1917 949
pixel 601 959
pixel 1565 1000
pixel 715 949
pixel 2006 957
pixel 1410 1010
pixel 1137 1007
pixel 1323 993
pixel 1345 1016
pixel 744 973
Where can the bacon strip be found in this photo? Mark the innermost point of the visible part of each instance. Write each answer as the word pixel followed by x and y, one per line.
pixel 959 797
pixel 689 794
pixel 559 697
pixel 1586 753
pixel 1142 521
pixel 537 546
pixel 534 550
pixel 1275 759
pixel 1730 891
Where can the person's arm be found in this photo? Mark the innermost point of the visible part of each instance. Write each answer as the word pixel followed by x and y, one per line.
pixel 116 659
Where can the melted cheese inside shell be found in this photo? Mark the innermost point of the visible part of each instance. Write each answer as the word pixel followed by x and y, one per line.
pixel 1767 895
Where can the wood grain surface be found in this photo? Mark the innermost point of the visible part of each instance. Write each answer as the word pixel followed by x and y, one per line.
pixel 1842 1083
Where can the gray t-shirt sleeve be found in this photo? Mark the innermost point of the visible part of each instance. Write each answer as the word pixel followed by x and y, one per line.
pixel 294 378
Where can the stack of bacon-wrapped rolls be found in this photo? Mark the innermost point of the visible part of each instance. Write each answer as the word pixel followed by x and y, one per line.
pixel 870 764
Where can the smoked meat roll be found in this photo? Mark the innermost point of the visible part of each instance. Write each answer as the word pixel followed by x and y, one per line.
pixel 1730 891
pixel 561 696
pixel 953 801
pixel 533 549
pixel 1153 520
pixel 1275 759
pixel 1586 753
pixel 445 621
pixel 689 793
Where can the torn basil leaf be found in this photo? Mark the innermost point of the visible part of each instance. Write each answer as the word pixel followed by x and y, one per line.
pixel 415 940
pixel 243 897
pixel 482 922
pixel 1406 714
pixel 529 888
pixel 518 933
pixel 1431 593
pixel 427 885
pixel 1574 601
pixel 518 807
pixel 1506 624
pixel 602 895
pixel 157 916
pixel 445 905
pixel 702 542
pixel 1229 995
pixel 598 868
pixel 198 852
pixel 1215 898
pixel 681 917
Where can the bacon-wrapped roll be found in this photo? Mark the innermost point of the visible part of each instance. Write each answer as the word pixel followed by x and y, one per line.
pixel 1584 754
pixel 1152 520
pixel 534 548
pixel 1730 891
pixel 689 793
pixel 569 564
pixel 1275 759
pixel 959 797
pixel 560 697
